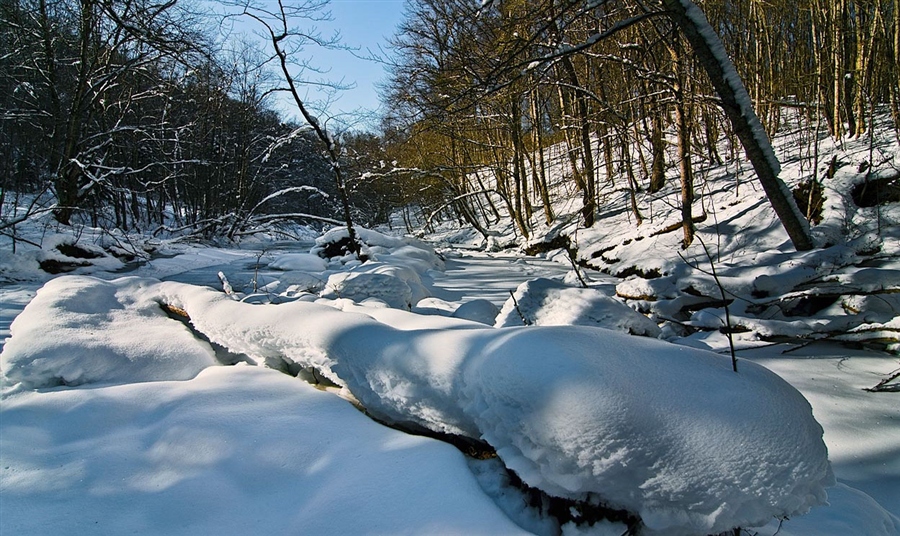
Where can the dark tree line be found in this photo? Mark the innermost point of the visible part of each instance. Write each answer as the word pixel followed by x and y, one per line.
pixel 131 115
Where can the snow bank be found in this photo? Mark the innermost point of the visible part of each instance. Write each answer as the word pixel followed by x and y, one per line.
pixel 850 512
pixel 306 262
pixel 83 330
pixel 544 302
pixel 480 310
pixel 392 274
pixel 397 285
pixel 667 432
pixel 235 451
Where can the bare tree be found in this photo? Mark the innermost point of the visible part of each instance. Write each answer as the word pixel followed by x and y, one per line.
pixel 736 103
pixel 286 40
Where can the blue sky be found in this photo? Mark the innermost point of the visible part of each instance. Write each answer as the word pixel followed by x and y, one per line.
pixel 364 25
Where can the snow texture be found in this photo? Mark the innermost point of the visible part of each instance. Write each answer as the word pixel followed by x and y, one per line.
pixel 235 451
pixel 545 302
pixel 668 432
pixel 81 330
pixel 305 262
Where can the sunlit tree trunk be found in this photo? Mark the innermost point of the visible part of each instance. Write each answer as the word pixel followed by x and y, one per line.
pixel 736 103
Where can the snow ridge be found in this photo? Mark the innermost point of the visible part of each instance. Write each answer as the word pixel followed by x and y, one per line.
pixel 668 432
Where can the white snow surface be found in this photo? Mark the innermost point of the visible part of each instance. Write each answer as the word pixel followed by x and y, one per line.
pixel 235 451
pixel 306 262
pixel 668 432
pixel 81 330
pixel 858 248
pixel 545 302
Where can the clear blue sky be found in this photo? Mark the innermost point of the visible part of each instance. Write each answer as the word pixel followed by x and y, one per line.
pixel 364 24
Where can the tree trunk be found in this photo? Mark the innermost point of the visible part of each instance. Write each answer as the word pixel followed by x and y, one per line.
pixel 658 148
pixel 709 52
pixel 539 167
pixel 683 128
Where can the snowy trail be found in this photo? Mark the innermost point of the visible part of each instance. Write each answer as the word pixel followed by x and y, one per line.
pixel 492 276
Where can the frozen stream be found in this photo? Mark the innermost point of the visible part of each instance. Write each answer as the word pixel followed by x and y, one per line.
pixel 468 275
pixel 490 276
pixel 862 430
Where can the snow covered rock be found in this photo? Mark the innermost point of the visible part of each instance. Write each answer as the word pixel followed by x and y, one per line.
pixel 398 286
pixel 545 302
pixel 81 330
pixel 304 262
pixel 481 310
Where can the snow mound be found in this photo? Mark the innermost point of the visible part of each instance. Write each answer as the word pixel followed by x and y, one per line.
pixel 235 451
pixel 667 432
pixel 393 271
pixel 398 286
pixel 480 310
pixel 373 244
pixel 851 512
pixel 304 262
pixel 83 330
pixel 545 302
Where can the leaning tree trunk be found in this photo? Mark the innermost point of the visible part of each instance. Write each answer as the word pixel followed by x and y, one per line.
pixel 736 103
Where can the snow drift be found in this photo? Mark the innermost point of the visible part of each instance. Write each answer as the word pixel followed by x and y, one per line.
pixel 235 451
pixel 81 330
pixel 667 432
pixel 545 302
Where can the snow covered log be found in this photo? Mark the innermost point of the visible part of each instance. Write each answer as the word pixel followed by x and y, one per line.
pixel 667 432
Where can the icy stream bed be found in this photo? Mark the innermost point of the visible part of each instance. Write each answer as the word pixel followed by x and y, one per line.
pixel 174 445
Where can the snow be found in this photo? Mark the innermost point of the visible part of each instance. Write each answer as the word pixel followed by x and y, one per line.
pixel 304 262
pixel 544 302
pixel 116 417
pixel 571 410
pixel 236 450
pixel 102 332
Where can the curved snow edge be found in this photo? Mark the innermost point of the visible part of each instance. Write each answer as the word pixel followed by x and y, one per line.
pixel 666 431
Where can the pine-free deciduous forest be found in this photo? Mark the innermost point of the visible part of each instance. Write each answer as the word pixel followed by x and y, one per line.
pixel 601 267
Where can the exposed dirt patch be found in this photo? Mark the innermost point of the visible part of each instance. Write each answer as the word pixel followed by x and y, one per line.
pixel 77 252
pixel 557 242
pixel 652 273
pixel 810 198
pixel 53 266
pixel 339 249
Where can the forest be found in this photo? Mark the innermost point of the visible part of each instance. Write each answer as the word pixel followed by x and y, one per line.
pixel 151 115
pixel 609 267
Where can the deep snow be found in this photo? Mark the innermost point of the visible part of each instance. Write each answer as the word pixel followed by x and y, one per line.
pixel 126 448
pixel 660 430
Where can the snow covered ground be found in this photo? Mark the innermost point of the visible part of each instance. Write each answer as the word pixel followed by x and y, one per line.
pixel 107 429
pixel 118 415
